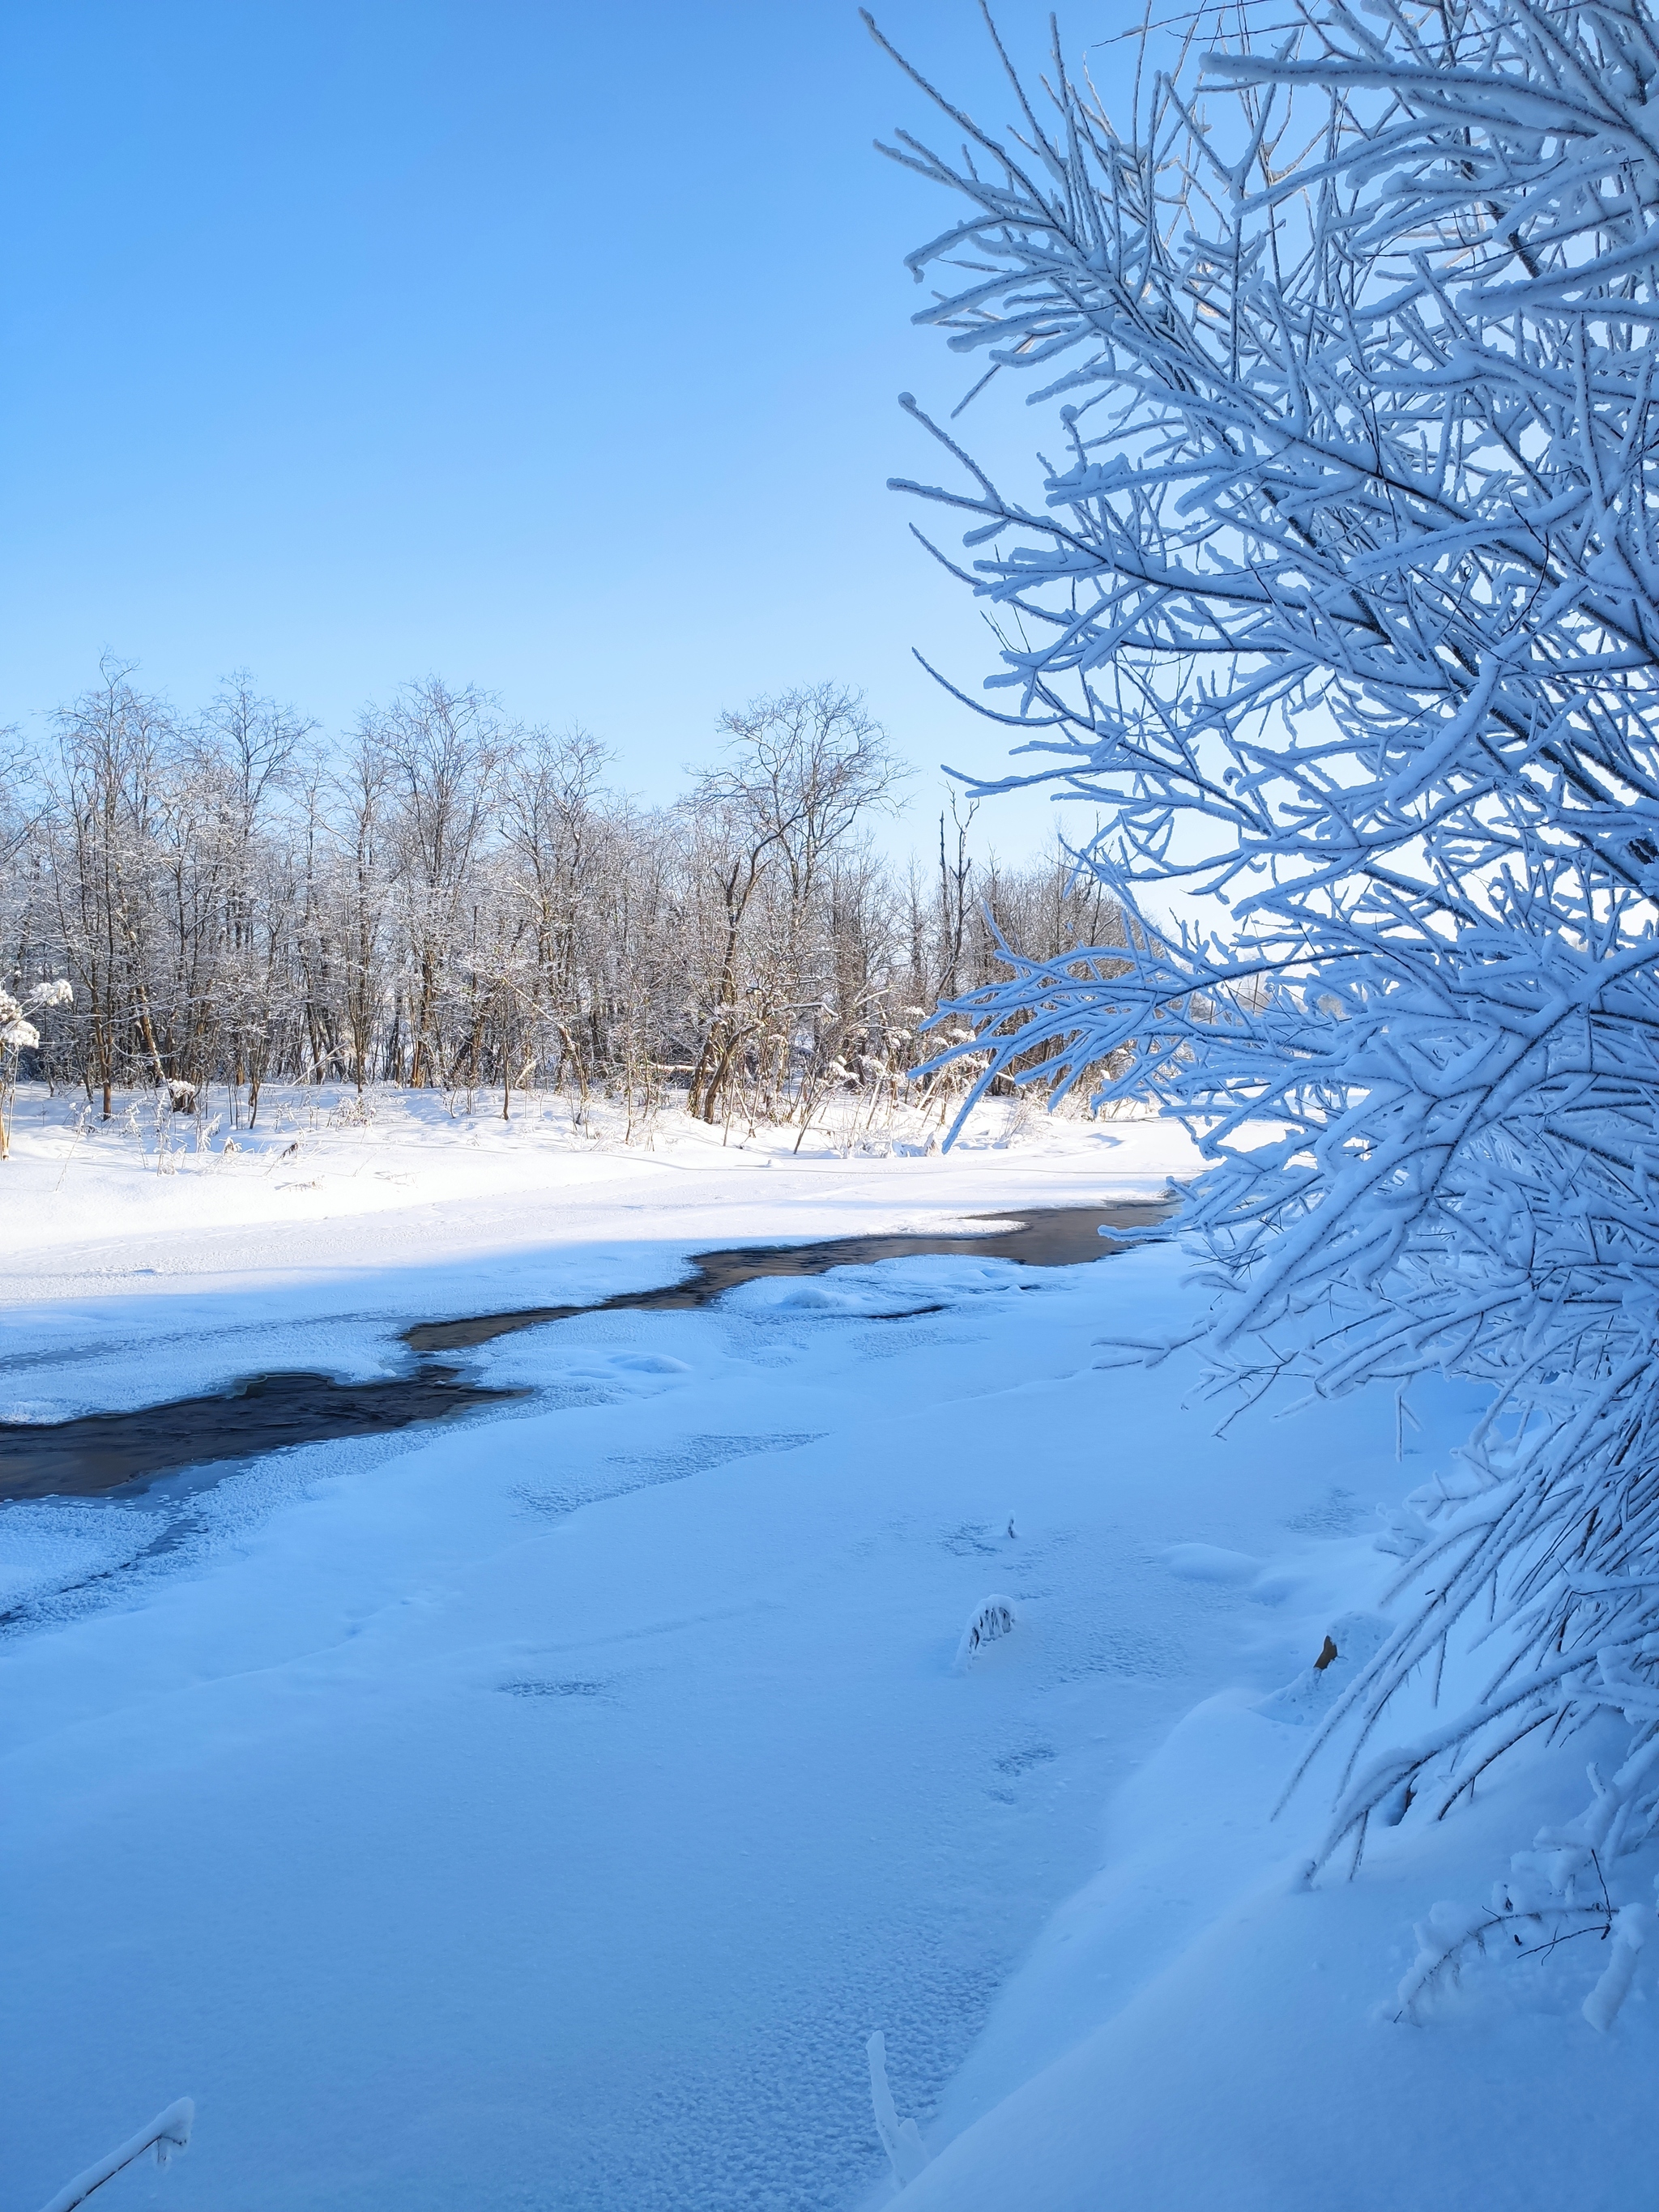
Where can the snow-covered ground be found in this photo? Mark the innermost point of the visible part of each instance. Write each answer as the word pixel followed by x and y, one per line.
pixel 542 1811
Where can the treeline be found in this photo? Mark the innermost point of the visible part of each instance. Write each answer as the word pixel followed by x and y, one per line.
pixel 450 900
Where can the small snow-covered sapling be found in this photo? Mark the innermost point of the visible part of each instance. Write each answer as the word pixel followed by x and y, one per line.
pixel 993 1617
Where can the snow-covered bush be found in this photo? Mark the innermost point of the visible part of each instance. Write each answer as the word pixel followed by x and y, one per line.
pixel 18 1036
pixel 1339 604
pixel 993 1618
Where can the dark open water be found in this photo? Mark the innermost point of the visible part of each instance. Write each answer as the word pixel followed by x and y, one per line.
pixel 100 1452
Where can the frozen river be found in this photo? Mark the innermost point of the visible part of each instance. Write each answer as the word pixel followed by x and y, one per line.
pixel 541 1810
pixel 91 1455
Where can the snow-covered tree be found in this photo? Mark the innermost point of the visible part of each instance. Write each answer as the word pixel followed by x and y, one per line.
pixel 450 900
pixel 798 775
pixel 1337 598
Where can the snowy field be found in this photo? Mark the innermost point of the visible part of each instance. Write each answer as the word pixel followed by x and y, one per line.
pixel 542 1811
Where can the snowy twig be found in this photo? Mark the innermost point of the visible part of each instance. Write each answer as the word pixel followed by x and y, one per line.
pixel 168 2133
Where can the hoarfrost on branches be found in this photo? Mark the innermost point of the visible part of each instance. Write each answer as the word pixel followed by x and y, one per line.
pixel 17 1035
pixel 992 1619
pixel 1338 602
pixel 168 2133
pixel 449 899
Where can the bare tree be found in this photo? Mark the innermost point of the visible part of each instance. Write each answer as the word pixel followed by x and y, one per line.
pixel 110 748
pixel 444 752
pixel 800 770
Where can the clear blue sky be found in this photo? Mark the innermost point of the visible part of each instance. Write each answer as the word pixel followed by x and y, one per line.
pixel 546 346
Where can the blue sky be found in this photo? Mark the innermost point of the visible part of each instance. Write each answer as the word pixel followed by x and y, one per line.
pixel 549 347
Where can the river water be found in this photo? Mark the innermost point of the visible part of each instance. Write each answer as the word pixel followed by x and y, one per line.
pixel 97 1453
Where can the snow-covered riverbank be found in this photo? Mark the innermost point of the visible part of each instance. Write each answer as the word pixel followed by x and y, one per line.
pixel 543 1811
pixel 340 1218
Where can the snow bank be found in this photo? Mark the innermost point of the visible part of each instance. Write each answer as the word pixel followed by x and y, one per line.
pixel 122 1285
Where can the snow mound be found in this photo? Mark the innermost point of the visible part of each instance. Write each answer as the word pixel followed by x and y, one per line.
pixel 1357 1637
pixel 1210 1563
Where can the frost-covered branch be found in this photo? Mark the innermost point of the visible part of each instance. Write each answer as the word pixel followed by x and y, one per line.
pixel 1337 602
pixel 169 2132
